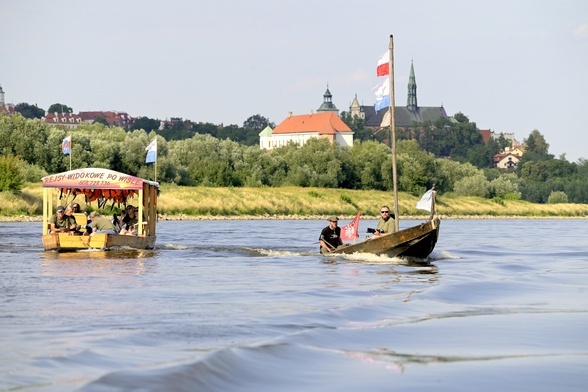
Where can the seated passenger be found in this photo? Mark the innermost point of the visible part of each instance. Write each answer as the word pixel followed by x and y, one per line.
pixel 101 224
pixel 129 222
pixel 69 212
pixel 60 222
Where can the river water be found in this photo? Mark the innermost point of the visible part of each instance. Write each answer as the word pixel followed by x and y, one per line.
pixel 252 306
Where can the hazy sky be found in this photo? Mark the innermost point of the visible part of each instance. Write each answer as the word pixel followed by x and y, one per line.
pixel 509 65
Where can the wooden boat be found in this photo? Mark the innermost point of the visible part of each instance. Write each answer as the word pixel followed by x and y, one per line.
pixel 415 242
pixel 104 187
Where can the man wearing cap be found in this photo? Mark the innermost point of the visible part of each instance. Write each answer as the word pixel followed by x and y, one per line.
pixel 101 224
pixel 61 223
pixel 330 236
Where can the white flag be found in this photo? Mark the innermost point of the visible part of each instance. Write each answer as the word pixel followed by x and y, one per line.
pixel 151 152
pixel 426 201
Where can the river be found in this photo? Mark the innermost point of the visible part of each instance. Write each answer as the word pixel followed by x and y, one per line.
pixel 238 305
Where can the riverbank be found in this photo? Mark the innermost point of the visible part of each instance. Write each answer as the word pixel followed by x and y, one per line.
pixel 205 203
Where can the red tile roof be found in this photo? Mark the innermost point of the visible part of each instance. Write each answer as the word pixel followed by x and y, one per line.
pixel 327 123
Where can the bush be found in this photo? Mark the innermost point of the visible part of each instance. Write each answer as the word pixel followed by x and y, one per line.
pixel 556 197
pixel 476 185
pixel 10 177
pixel 31 173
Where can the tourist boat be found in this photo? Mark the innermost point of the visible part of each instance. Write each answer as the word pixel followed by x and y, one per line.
pixel 417 241
pixel 106 188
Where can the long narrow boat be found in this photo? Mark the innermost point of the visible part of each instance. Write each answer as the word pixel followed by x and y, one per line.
pixel 107 188
pixel 417 241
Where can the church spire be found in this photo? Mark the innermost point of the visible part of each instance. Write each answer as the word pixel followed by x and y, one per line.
pixel 328 105
pixel 411 103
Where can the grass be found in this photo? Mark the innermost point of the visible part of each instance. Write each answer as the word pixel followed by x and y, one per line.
pixel 296 202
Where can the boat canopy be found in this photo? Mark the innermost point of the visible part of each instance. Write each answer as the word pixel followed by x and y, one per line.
pixel 95 178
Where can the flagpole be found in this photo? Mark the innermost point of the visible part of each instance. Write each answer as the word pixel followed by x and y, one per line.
pixel 70 150
pixel 393 130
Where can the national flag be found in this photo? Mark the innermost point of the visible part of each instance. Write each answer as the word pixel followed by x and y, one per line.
pixel 350 231
pixel 382 92
pixel 383 67
pixel 151 152
pixel 426 201
pixel 66 145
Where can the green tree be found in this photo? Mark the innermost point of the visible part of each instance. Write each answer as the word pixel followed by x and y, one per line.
pixel 257 122
pixel 59 108
pixel 101 120
pixel 536 143
pixel 11 178
pixel 145 123
pixel 557 197
pixel 472 186
pixel 29 111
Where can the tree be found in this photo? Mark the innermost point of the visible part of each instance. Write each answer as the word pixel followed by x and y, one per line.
pixel 145 123
pixel 59 108
pixel 258 123
pixel 101 120
pixel 29 111
pixel 10 176
pixel 536 143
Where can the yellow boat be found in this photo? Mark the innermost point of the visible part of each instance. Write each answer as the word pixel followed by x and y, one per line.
pixel 102 186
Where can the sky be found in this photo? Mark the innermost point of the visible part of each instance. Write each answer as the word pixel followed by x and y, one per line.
pixel 508 65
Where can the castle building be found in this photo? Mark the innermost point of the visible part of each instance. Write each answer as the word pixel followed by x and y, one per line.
pixel 298 129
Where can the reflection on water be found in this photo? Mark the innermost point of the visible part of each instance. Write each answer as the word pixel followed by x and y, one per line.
pixel 104 263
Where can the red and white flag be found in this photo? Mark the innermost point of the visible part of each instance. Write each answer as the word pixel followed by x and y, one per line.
pixel 350 231
pixel 383 64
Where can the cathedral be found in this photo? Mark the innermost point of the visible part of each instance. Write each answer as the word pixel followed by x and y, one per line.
pixel 405 116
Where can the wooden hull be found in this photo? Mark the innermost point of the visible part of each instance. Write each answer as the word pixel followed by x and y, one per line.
pixel 417 241
pixel 64 242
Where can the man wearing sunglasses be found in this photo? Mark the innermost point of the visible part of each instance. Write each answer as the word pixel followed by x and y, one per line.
pixel 386 223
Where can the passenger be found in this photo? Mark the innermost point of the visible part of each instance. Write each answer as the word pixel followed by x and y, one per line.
pixel 116 221
pixel 386 223
pixel 129 222
pixel 61 223
pixel 101 224
pixel 76 228
pixel 330 237
pixel 76 208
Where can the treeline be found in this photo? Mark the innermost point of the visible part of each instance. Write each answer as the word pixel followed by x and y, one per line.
pixel 35 149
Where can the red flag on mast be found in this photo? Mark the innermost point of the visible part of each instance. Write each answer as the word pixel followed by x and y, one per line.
pixel 350 231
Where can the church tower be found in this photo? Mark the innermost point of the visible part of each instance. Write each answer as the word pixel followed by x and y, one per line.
pixel 2 96
pixel 327 105
pixel 356 110
pixel 411 103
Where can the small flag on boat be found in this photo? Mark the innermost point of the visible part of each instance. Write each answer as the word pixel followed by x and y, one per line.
pixel 426 201
pixel 383 64
pixel 66 145
pixel 151 152
pixel 350 231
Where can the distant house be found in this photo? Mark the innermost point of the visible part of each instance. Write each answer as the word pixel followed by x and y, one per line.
pixel 299 129
pixel 120 119
pixel 65 119
pixel 507 161
pixel 404 116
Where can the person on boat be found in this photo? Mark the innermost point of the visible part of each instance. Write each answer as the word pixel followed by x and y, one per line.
pixel 101 224
pixel 69 211
pixel 386 223
pixel 330 237
pixel 129 221
pixel 60 222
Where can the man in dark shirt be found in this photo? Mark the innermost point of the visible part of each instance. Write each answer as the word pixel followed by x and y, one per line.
pixel 330 236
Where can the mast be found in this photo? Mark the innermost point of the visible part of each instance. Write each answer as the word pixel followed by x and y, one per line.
pixel 393 130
